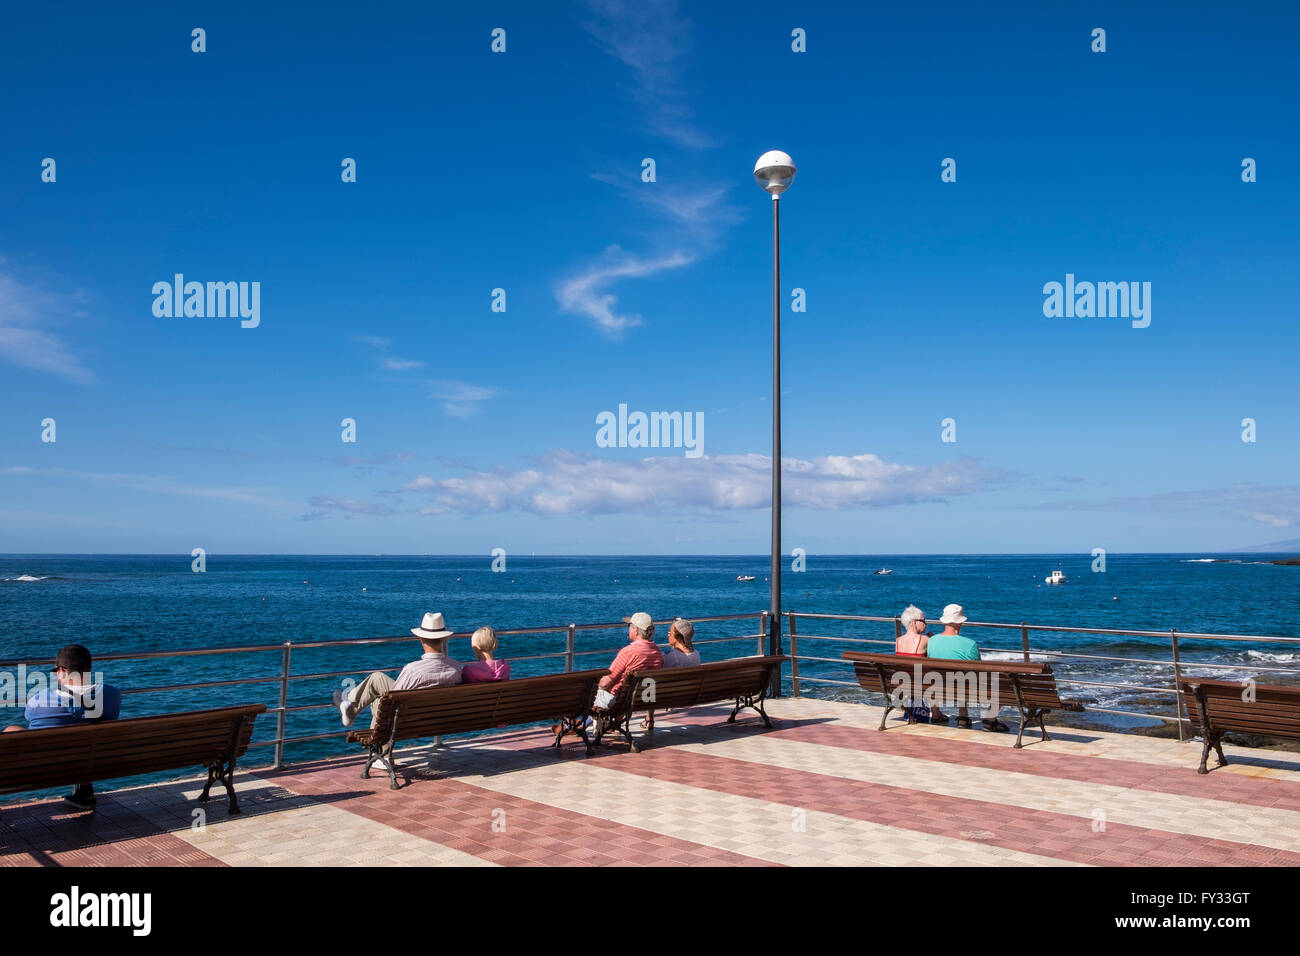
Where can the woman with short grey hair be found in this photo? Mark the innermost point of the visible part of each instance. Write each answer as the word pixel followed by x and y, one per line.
pixel 914 642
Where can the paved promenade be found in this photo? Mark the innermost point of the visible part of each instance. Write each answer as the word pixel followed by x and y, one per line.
pixel 822 788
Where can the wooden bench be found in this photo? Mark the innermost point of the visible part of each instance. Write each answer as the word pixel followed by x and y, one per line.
pixel 1219 706
pixel 564 699
pixel 1030 688
pixel 744 680
pixel 96 750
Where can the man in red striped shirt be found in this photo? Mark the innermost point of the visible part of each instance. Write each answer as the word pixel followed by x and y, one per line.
pixel 641 653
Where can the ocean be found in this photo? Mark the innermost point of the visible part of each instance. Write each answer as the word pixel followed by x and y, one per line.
pixel 155 603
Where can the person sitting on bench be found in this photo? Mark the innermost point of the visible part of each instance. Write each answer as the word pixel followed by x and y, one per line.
pixel 641 653
pixel 950 645
pixel 486 668
pixel 433 669
pixel 76 696
pixel 913 642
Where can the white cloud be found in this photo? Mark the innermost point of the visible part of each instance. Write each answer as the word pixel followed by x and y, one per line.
pixel 401 365
pixel 374 341
pixel 25 313
pixel 325 503
pixel 651 38
pixel 460 399
pixel 566 483
pixel 583 294
pixel 1277 506
pixel 156 484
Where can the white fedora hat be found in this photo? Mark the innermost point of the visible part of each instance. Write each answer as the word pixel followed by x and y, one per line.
pixel 952 615
pixel 432 627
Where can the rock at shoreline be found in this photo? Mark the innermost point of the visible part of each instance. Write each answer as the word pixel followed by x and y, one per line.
pixel 1286 561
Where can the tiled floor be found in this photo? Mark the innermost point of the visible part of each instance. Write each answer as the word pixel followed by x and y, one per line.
pixel 823 787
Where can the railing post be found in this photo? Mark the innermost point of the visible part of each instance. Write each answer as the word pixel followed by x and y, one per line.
pixel 774 650
pixel 898 629
pixel 794 656
pixel 762 632
pixel 282 717
pixel 1024 640
pixel 569 641
pixel 1178 683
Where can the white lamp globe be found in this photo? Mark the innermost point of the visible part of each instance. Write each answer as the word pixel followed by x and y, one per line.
pixel 774 171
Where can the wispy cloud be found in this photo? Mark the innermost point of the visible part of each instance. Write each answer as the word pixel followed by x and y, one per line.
pixel 156 484
pixel 563 483
pixel 1277 506
pixel 326 503
pixel 373 461
pixel 26 312
pixel 584 294
pixel 651 38
pixel 381 344
pixel 460 399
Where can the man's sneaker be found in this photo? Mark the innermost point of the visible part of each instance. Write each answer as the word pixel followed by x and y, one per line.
pixel 81 798
pixel 347 709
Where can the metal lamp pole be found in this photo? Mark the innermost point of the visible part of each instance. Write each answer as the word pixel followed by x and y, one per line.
pixel 775 172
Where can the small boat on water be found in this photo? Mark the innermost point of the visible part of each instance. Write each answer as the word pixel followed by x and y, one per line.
pixel 1056 577
pixel 744 577
pixel 884 571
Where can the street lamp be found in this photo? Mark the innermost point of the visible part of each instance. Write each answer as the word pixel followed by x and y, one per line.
pixel 775 172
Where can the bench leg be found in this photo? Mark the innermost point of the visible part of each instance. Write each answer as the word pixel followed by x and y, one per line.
pixel 229 781
pixel 1205 753
pixel 212 777
pixel 1020 731
pixel 756 703
pixel 1218 749
pixel 225 773
pixel 1042 714
pixel 392 766
pixel 625 728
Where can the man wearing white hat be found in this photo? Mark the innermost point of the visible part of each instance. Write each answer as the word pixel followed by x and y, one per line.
pixel 433 669
pixel 950 645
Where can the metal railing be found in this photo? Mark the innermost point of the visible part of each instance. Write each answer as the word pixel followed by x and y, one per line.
pixel 288 650
pixel 570 656
pixel 1176 662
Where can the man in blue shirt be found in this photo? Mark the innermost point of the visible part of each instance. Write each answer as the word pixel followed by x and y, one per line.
pixel 76 697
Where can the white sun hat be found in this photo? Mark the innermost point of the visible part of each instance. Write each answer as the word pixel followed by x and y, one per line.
pixel 952 615
pixel 432 627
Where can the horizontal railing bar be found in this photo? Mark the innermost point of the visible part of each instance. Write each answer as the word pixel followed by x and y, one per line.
pixel 1060 628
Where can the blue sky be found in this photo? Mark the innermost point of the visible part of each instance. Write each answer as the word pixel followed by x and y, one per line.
pixel 522 171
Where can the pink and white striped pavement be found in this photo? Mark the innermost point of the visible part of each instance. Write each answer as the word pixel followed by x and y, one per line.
pixel 823 787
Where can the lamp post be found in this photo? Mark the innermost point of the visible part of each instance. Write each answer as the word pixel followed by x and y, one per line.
pixel 775 172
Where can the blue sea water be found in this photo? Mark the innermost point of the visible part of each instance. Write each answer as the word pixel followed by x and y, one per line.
pixel 116 604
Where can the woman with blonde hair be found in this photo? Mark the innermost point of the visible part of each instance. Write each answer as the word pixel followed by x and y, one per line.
pixel 486 668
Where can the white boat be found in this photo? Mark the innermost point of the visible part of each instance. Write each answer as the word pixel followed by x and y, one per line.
pixel 884 571
pixel 744 577
pixel 1056 577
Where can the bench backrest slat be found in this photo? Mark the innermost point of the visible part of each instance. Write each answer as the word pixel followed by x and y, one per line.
pixel 959 682
pixel 463 708
pixel 1273 712
pixel 102 750
pixel 693 685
